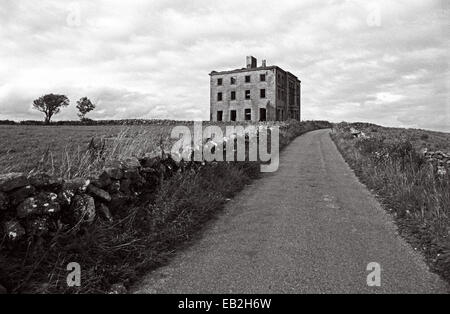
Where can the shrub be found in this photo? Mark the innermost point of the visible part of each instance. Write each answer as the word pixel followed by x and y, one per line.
pixel 369 146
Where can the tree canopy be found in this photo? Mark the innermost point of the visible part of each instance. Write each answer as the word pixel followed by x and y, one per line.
pixel 50 105
pixel 84 106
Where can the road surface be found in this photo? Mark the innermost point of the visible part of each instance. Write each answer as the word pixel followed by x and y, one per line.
pixel 310 227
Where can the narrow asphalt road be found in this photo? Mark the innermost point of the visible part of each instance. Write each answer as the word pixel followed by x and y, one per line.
pixel 310 227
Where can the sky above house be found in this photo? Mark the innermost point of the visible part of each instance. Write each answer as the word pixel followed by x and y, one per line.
pixel 385 62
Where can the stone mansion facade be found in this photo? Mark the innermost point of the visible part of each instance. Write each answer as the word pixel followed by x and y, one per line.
pixel 254 93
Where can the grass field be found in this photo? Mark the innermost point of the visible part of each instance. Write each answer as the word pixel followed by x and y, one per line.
pixel 61 149
pixel 23 146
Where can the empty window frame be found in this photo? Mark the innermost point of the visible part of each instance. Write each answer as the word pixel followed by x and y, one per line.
pixel 262 114
pixel 219 96
pixel 233 95
pixel 232 80
pixel 219 81
pixel 219 115
pixel 232 115
pixel 262 77
pixel 262 93
pixel 248 114
pixel 247 94
pixel 247 79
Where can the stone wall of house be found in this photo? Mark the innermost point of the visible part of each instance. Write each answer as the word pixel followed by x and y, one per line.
pixel 239 87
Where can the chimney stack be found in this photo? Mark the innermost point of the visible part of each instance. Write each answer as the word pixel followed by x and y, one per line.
pixel 251 62
pixel 263 63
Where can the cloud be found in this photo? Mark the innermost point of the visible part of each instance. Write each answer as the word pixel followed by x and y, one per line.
pixel 378 61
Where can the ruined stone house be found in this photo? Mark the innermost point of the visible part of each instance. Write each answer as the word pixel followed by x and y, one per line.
pixel 254 93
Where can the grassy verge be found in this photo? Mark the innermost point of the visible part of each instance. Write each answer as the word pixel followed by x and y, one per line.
pixel 408 187
pixel 141 238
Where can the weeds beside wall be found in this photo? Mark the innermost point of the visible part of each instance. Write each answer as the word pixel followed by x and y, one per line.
pixel 412 187
pixel 165 205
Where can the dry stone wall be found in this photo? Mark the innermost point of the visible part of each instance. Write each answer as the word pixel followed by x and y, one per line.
pixel 40 205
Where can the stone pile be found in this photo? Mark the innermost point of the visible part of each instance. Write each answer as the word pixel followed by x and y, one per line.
pixel 357 133
pixel 439 159
pixel 39 205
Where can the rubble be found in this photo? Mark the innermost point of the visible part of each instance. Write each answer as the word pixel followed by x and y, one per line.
pixel 83 208
pixel 13 230
pixel 19 195
pixel 4 202
pixel 117 288
pixel 98 192
pixel 114 173
pixel 11 181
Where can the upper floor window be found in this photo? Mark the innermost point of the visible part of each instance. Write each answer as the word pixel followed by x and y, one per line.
pixel 233 95
pixel 247 94
pixel 232 80
pixel 219 96
pixel 219 81
pixel 247 79
pixel 262 93
pixel 262 77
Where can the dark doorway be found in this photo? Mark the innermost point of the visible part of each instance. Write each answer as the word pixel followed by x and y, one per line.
pixel 233 115
pixel 262 114
pixel 219 115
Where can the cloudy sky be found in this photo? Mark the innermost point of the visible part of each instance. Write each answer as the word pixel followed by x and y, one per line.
pixel 385 62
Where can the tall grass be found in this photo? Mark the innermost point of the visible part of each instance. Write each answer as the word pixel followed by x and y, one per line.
pixel 409 188
pixel 75 161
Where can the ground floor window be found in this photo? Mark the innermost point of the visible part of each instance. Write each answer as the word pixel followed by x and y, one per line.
pixel 248 114
pixel 279 115
pixel 233 115
pixel 262 114
pixel 219 115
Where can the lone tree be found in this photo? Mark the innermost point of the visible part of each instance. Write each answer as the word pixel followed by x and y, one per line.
pixel 84 105
pixel 50 105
